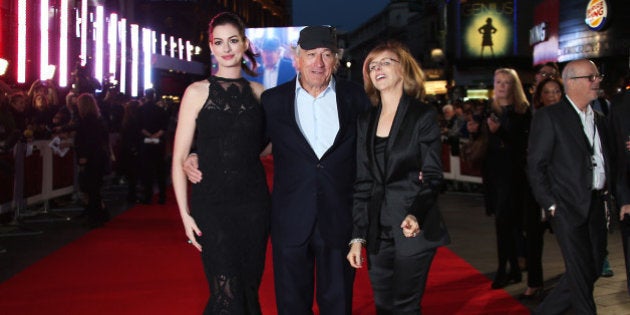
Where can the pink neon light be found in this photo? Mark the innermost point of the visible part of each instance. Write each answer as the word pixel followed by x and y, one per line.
pixel 134 59
pixel 84 31
pixel 63 44
pixel 21 54
pixel 112 40
pixel 122 36
pixel 189 49
pixel 43 45
pixel 146 53
pixel 163 44
pixel 99 25
pixel 180 48
pixel 172 46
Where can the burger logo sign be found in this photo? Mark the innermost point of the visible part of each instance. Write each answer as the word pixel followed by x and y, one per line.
pixel 596 14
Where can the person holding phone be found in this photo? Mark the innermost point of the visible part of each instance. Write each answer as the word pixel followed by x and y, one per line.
pixel 503 171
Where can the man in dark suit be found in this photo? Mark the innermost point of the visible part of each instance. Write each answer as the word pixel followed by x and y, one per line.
pixel 569 171
pixel 275 69
pixel 620 119
pixel 311 122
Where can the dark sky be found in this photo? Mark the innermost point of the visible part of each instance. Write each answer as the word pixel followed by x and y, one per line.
pixel 345 15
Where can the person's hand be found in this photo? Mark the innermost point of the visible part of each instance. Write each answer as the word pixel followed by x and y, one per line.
pixel 625 209
pixel 410 226
pixel 354 255
pixel 190 226
pixel 493 126
pixel 191 168
pixel 628 145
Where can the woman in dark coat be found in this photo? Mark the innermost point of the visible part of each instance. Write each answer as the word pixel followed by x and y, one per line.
pixel 92 146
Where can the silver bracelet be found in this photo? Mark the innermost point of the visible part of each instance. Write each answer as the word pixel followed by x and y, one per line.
pixel 357 240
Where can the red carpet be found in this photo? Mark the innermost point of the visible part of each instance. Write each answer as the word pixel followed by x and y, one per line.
pixel 140 263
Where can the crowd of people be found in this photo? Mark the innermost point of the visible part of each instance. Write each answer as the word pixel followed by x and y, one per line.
pixel 110 132
pixel 357 170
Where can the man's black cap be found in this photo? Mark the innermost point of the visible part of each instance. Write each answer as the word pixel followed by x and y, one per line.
pixel 312 37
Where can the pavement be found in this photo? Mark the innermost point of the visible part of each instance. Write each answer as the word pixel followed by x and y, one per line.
pixel 46 229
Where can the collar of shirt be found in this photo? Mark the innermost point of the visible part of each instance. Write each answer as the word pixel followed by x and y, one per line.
pixel 590 131
pixel 332 85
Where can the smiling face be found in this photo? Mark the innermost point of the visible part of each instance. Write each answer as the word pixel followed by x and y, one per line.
pixel 228 46
pixel 316 67
pixel 385 71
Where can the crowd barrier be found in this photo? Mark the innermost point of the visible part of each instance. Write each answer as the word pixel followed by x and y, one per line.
pixel 36 172
pixel 457 169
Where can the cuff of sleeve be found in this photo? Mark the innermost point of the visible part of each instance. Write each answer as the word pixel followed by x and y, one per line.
pixel 357 240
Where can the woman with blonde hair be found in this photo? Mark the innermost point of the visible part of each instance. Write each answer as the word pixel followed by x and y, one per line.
pixel 505 183
pixel 399 175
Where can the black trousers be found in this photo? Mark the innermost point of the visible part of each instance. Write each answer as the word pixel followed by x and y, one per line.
pixel 583 250
pixel 295 276
pixel 154 170
pixel 398 282
pixel 534 230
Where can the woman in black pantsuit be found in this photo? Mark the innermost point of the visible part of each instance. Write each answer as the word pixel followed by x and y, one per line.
pixel 399 174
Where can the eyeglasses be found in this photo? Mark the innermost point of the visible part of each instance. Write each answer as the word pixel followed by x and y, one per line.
pixel 384 63
pixel 592 77
pixel 546 74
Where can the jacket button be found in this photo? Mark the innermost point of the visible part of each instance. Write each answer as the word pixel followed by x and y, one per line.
pixel 319 165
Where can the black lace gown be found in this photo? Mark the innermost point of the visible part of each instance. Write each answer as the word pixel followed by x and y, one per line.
pixel 231 204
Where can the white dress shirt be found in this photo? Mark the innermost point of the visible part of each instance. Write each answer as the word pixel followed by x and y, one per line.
pixel 317 117
pixel 590 130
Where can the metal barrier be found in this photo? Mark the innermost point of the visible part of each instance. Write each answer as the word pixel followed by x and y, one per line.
pixel 34 173
pixel 457 169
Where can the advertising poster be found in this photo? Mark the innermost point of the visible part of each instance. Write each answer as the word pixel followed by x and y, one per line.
pixel 275 47
pixel 486 28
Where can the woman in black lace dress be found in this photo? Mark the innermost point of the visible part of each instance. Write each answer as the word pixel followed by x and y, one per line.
pixel 228 216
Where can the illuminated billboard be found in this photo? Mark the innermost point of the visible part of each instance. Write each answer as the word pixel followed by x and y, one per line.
pixel 274 46
pixel 486 28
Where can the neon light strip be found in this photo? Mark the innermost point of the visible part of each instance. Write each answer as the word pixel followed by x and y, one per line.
pixel 134 59
pixel 146 50
pixel 84 32
pixel 43 44
pixel 112 40
pixel 122 36
pixel 172 46
pixel 180 48
pixel 153 42
pixel 99 45
pixel 163 44
pixel 63 44
pixel 21 54
pixel 189 49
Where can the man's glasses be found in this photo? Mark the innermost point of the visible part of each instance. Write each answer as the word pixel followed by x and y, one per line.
pixel 592 77
pixel 384 63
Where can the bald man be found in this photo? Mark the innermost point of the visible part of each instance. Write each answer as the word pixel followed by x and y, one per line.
pixel 569 171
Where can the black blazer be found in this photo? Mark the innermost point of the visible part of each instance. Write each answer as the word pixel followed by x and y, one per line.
pixel 413 146
pixel 308 190
pixel 559 160
pixel 620 119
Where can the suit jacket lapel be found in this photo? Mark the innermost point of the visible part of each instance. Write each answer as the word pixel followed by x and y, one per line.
pixel 399 118
pixel 288 103
pixel 370 139
pixel 574 125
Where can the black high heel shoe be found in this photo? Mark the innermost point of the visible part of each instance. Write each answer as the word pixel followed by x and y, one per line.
pixel 502 280
pixel 537 295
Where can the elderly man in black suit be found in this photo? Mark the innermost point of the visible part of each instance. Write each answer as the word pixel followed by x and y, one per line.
pixel 569 170
pixel 620 119
pixel 311 122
